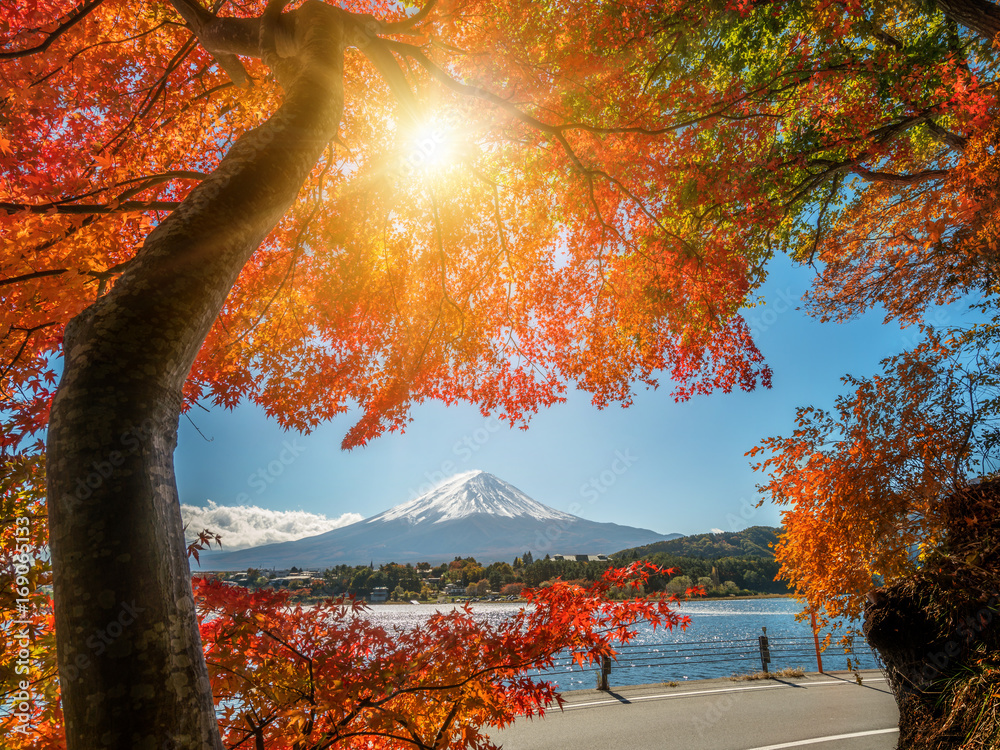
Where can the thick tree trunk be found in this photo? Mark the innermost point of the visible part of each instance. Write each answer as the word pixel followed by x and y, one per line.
pixel 938 633
pixel 981 16
pixel 131 666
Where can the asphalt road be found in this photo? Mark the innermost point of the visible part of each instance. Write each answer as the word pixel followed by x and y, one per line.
pixel 820 712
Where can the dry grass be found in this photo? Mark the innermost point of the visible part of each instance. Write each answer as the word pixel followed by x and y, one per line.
pixel 786 672
pixel 970 720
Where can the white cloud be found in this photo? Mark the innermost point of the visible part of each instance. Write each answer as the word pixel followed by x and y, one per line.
pixel 718 531
pixel 243 526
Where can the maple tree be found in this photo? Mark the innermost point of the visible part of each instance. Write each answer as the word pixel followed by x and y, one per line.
pixel 289 676
pixel 309 206
pixel 325 676
pixel 891 515
pixel 866 485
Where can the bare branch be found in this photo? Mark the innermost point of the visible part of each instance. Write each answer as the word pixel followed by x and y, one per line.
pixel 157 89
pixel 900 179
pixel 463 88
pixel 980 16
pixel 146 182
pixel 558 130
pixel 952 140
pixel 824 207
pixel 446 726
pixel 378 52
pixel 28 332
pixel 887 39
pixel 103 276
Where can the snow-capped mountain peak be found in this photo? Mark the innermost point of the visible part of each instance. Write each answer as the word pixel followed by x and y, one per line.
pixel 471 493
pixel 473 514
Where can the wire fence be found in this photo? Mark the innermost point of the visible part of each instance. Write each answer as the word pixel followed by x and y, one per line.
pixel 641 663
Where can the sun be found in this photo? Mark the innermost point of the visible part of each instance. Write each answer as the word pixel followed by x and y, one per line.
pixel 429 147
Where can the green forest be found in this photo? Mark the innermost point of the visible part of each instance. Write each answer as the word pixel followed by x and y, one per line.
pixel 725 564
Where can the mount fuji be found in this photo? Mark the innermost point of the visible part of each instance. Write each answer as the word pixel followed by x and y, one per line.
pixel 472 514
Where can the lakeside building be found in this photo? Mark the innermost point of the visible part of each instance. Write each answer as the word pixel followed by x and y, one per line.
pixel 305 579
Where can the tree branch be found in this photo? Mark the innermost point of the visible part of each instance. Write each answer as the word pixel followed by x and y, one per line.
pixel 446 726
pixel 199 20
pixel 558 132
pixel 900 179
pixel 72 20
pixel 102 276
pixel 980 16
pixel 401 27
pixel 90 208
pixel 33 275
pixel 145 182
pixel 378 51
pixel 441 76
pixel 155 91
pixel 952 140
pixel 28 332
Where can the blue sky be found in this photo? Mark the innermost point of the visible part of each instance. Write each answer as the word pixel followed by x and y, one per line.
pixel 657 464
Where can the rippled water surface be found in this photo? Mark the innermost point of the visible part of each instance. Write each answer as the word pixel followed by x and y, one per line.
pixel 721 640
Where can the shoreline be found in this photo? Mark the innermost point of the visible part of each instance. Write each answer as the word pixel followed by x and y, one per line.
pixel 716 684
pixel 462 600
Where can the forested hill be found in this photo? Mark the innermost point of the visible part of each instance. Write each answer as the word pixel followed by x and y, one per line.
pixel 756 541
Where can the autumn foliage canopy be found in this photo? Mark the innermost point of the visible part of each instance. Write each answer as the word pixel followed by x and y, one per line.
pixel 521 197
pixel 476 241
pixel 523 203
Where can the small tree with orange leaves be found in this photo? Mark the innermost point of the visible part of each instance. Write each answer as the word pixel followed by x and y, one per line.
pixel 862 484
pixel 886 517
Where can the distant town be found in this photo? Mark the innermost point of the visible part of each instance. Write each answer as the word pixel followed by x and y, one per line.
pixel 719 565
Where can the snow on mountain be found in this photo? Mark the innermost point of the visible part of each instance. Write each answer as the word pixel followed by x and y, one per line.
pixel 472 514
pixel 467 494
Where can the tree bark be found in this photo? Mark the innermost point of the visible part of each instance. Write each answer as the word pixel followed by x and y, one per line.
pixel 937 630
pixel 980 16
pixel 131 666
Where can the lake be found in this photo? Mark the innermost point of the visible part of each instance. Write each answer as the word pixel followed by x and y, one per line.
pixel 720 641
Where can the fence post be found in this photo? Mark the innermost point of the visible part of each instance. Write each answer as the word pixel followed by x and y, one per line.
pixel 605 673
pixel 765 651
pixel 819 658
